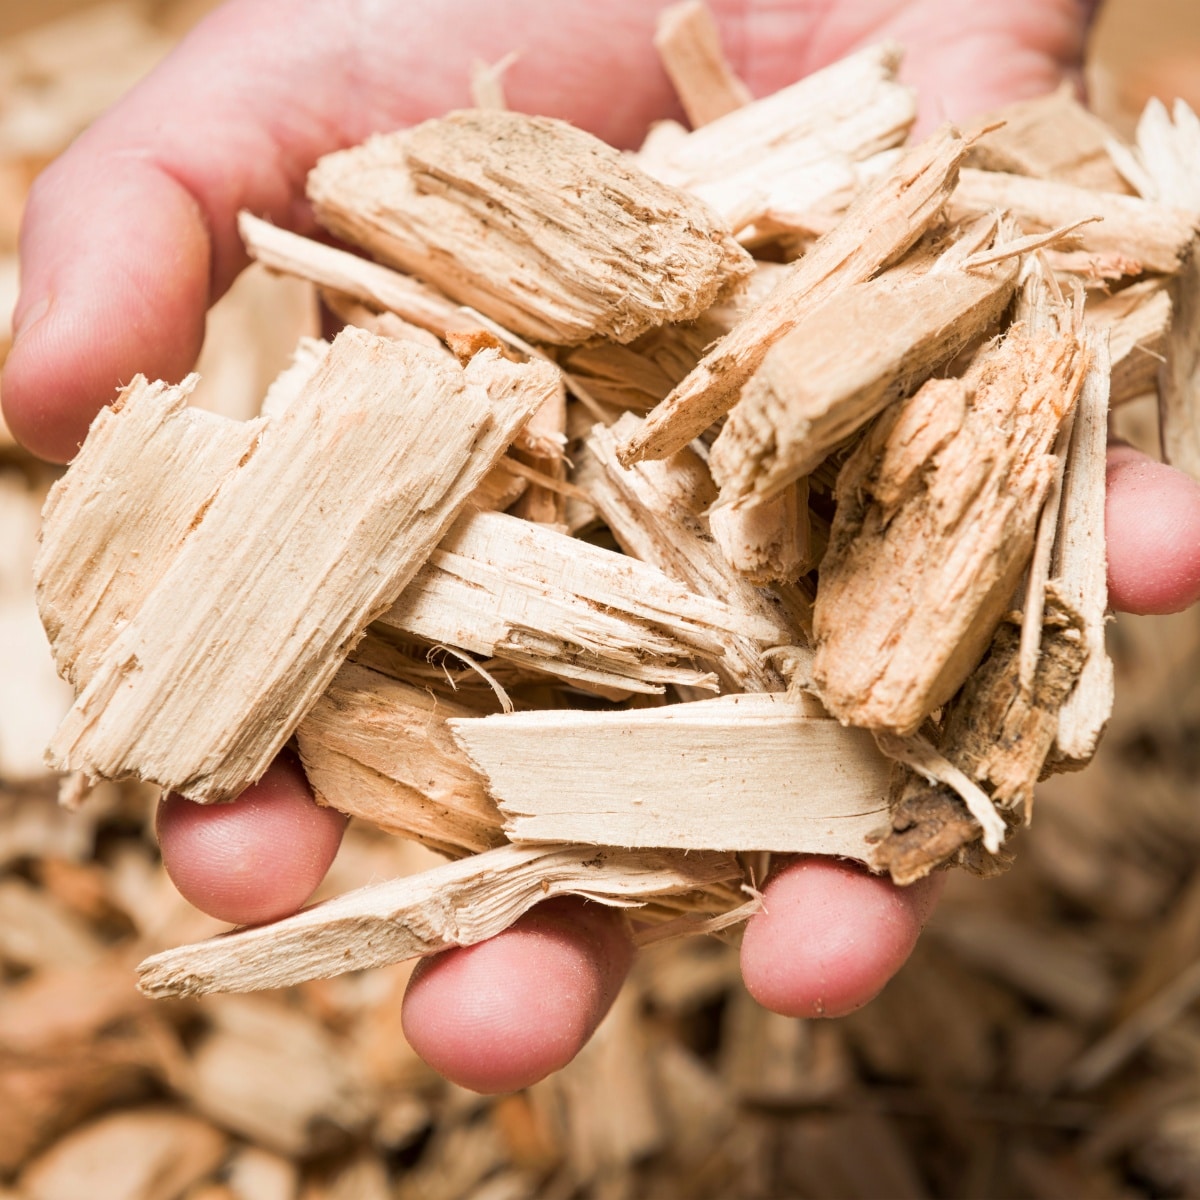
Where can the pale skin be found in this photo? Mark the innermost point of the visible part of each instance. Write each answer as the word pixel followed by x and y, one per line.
pixel 130 236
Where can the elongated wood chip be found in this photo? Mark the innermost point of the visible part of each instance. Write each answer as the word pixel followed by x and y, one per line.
pixel 690 49
pixel 798 150
pixel 501 586
pixel 936 515
pixel 1147 236
pixel 1080 562
pixel 368 282
pixel 458 904
pixel 813 390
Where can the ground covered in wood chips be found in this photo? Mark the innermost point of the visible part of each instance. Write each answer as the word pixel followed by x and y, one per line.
pixel 1043 1041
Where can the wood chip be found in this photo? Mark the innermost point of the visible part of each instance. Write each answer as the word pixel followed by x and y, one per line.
pixel 663 776
pixel 1151 237
pixel 1049 137
pixel 880 226
pixel 267 520
pixel 143 1154
pixel 998 734
pixel 801 148
pixel 769 542
pixel 904 613
pixel 690 48
pixel 499 586
pixel 1163 169
pixel 536 224
pixel 1137 320
pixel 655 512
pixel 1080 566
pixel 274 1077
pixel 810 394
pixel 346 273
pixel 458 904
pixel 379 749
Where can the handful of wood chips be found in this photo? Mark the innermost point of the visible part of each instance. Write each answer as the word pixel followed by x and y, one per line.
pixel 653 512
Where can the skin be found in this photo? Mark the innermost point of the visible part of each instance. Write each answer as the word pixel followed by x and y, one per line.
pixel 140 212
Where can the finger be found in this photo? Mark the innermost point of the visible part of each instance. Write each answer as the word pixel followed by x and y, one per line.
pixel 508 1012
pixel 130 234
pixel 968 59
pixel 830 936
pixel 256 859
pixel 1152 519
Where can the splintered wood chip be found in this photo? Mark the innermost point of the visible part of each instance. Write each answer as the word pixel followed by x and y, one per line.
pixel 203 607
pixel 938 507
pixel 885 221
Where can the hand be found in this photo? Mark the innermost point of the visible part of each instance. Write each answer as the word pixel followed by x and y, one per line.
pixel 131 234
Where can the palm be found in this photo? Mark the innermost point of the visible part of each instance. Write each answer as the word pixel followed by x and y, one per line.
pixel 132 234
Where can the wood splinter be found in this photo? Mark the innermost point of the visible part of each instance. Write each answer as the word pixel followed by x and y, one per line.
pixel 885 221
pixel 457 904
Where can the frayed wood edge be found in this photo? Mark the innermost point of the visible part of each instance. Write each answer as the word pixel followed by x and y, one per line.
pixel 919 755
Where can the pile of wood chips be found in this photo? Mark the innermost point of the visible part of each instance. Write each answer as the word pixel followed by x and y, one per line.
pixel 1038 1043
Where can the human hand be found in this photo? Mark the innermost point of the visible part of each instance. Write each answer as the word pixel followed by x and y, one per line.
pixel 131 235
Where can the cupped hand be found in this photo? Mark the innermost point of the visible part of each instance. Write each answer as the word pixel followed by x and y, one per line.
pixel 131 235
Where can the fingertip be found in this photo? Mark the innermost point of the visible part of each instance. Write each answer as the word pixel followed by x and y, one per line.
pixel 1152 519
pixel 115 282
pixel 830 936
pixel 255 859
pixel 505 1013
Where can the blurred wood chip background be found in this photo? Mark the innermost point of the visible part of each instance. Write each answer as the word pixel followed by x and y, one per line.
pixel 1043 1041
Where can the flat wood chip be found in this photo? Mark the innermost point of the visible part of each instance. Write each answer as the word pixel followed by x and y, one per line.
pixel 668 776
